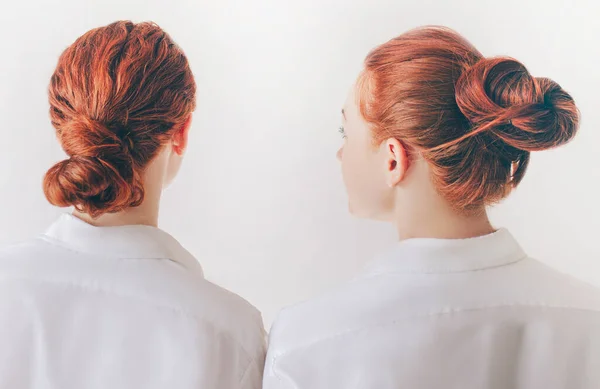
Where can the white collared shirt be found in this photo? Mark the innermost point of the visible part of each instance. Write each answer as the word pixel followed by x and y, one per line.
pixel 120 308
pixel 431 314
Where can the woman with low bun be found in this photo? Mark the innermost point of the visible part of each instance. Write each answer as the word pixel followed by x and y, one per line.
pixel 434 133
pixel 104 298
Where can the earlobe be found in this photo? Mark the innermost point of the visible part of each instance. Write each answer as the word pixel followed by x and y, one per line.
pixel 397 161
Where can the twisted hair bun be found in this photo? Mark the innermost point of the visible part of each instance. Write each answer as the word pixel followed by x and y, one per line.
pixel 99 177
pixel 475 120
pixel 499 95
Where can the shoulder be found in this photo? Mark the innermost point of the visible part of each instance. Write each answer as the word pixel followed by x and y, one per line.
pixel 374 302
pixel 23 254
pixel 555 288
pixel 167 284
pixel 228 311
pixel 22 247
pixel 368 301
pixel 158 284
pixel 348 308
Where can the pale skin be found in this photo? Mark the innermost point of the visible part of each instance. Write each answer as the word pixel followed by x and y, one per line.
pixel 385 183
pixel 159 173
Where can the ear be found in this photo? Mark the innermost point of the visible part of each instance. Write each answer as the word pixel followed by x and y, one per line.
pixel 396 160
pixel 180 137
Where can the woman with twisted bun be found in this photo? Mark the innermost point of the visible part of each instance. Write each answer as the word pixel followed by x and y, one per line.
pixel 104 298
pixel 433 134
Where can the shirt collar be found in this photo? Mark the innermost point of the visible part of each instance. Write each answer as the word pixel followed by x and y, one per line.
pixel 428 255
pixel 125 242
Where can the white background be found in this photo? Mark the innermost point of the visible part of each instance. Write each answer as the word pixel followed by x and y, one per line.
pixel 260 200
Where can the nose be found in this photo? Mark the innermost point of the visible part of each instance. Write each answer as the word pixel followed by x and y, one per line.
pixel 339 154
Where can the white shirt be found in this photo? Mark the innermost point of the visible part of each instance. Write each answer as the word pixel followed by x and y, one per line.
pixel 432 314
pixel 121 308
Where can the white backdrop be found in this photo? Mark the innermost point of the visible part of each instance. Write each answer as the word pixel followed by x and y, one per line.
pixel 260 200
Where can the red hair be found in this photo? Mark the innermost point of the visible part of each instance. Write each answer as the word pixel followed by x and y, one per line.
pixel 475 120
pixel 117 95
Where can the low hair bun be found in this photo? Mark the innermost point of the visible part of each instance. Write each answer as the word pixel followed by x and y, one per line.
pixel 92 185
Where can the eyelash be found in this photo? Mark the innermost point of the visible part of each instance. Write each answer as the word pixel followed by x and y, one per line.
pixel 341 131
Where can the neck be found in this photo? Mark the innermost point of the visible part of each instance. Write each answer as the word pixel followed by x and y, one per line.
pixel 443 226
pixel 422 212
pixel 144 214
pixel 430 216
pixel 147 212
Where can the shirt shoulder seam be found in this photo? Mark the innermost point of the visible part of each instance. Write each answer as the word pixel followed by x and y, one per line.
pixel 341 334
pixel 174 309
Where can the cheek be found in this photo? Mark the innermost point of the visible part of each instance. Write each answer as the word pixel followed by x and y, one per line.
pixel 348 161
pixel 357 173
pixel 364 182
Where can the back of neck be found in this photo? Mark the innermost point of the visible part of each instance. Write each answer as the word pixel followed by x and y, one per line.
pixel 144 214
pixel 442 223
